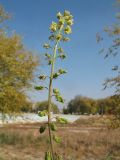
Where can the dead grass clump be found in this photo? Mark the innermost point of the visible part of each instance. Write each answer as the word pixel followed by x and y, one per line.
pixel 96 121
pixel 96 144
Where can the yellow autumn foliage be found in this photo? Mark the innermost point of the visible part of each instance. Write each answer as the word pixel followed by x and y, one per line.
pixel 17 66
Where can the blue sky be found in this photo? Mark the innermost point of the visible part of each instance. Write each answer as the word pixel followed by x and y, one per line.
pixel 87 69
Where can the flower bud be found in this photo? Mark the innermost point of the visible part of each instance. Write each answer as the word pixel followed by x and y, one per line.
pixel 70 22
pixel 53 26
pixel 59 37
pixel 59 15
pixel 66 13
pixel 68 30
pixel 65 39
pixel 61 21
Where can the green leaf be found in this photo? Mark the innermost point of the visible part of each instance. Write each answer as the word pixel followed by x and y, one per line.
pixel 53 127
pixel 56 139
pixel 60 50
pixel 62 71
pixel 56 91
pixel 56 75
pixel 39 87
pixel 48 55
pixel 48 156
pixel 61 120
pixel 49 62
pixel 42 113
pixel 52 37
pixel 42 77
pixel 42 129
pixel 62 56
pixel 59 98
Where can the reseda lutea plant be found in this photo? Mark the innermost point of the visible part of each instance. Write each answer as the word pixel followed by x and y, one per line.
pixel 59 33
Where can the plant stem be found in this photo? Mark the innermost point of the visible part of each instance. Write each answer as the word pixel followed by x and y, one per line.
pixel 49 99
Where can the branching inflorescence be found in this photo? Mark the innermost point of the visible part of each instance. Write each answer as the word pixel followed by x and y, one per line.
pixel 59 33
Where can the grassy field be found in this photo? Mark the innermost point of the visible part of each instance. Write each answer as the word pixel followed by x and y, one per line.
pixel 86 139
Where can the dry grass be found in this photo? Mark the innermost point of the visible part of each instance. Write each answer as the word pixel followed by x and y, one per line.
pixel 94 121
pixel 79 142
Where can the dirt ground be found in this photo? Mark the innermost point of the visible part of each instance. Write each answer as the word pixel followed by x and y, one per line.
pixel 88 139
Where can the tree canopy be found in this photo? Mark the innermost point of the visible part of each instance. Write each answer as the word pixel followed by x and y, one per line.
pixel 113 33
pixel 41 106
pixel 17 66
pixel 81 105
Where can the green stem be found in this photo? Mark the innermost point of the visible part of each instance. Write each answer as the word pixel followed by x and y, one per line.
pixel 49 100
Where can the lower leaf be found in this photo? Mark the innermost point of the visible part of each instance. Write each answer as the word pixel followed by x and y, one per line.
pixel 48 155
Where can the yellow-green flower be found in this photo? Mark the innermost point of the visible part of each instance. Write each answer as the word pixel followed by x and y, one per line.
pixel 60 26
pixel 70 22
pixel 68 30
pixel 67 18
pixel 59 15
pixel 59 37
pixel 66 13
pixel 70 16
pixel 61 21
pixel 53 26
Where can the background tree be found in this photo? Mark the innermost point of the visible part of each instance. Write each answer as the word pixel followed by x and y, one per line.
pixel 65 111
pixel 17 66
pixel 27 107
pixel 80 105
pixel 103 106
pixel 113 32
pixel 41 106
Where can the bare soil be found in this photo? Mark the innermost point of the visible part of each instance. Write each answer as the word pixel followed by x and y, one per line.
pixel 88 139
